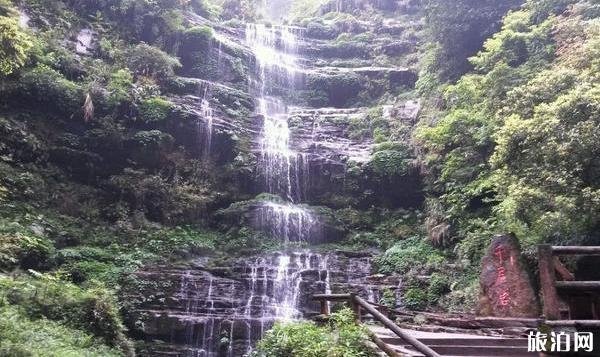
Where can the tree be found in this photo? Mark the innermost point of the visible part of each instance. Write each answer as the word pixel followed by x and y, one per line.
pixel 14 46
pixel 459 28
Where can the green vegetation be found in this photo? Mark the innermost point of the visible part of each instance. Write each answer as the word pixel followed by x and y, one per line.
pixel 341 337
pixel 407 254
pixel 23 336
pixel 155 109
pixel 14 45
pixel 512 150
pixel 458 29
pixel 103 165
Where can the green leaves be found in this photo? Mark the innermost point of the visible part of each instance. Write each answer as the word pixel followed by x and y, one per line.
pixel 342 338
pixel 155 110
pixel 150 61
pixel 518 148
pixel 14 46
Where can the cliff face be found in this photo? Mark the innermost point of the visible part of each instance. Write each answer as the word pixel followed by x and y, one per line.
pixel 223 310
pixel 139 140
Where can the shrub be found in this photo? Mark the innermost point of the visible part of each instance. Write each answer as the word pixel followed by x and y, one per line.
pixel 146 60
pixel 198 34
pixel 388 298
pixel 438 285
pixel 45 297
pixel 389 163
pixel 342 337
pixel 412 253
pixel 20 247
pixel 21 335
pixel 46 86
pixel 154 110
pixel 120 87
pixel 415 298
pixel 14 46
pixel 152 138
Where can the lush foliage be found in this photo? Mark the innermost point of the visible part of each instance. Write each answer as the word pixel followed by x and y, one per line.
pixel 22 336
pixel 458 29
pixel 341 337
pixel 14 45
pixel 514 151
pixel 407 254
pixel 89 313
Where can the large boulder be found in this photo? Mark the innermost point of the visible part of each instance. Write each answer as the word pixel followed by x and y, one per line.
pixel 506 289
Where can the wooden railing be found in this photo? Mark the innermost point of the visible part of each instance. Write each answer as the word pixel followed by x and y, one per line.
pixel 358 304
pixel 550 266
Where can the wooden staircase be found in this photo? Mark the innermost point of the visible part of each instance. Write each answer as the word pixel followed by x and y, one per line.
pixel 450 344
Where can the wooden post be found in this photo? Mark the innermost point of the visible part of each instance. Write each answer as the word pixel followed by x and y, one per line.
pixel 324 307
pixel 355 307
pixel 548 282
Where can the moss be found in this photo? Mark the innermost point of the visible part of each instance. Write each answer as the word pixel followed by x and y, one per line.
pixel 341 89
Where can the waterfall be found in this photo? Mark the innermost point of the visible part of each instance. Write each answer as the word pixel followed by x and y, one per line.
pixel 208 115
pixel 288 222
pixel 204 121
pixel 225 311
pixel 203 339
pixel 284 170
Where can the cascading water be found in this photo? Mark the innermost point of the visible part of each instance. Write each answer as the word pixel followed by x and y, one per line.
pixel 211 310
pixel 205 121
pixel 285 171
pixel 274 47
pixel 208 115
pixel 223 311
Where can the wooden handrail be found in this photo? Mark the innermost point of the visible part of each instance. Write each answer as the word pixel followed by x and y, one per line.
pixel 332 297
pixel 550 265
pixel 575 250
pixel 418 345
pixel 359 304
pixel 578 285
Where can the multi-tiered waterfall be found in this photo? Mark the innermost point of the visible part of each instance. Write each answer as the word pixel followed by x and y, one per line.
pixel 203 311
pixel 285 172
pixel 208 310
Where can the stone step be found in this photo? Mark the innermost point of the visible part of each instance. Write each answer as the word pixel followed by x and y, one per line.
pixel 485 342
pixel 470 351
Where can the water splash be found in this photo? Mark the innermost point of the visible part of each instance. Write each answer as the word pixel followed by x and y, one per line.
pixel 290 223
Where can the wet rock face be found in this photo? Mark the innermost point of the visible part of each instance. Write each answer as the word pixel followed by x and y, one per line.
pixel 86 42
pixel 506 289
pixel 203 310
